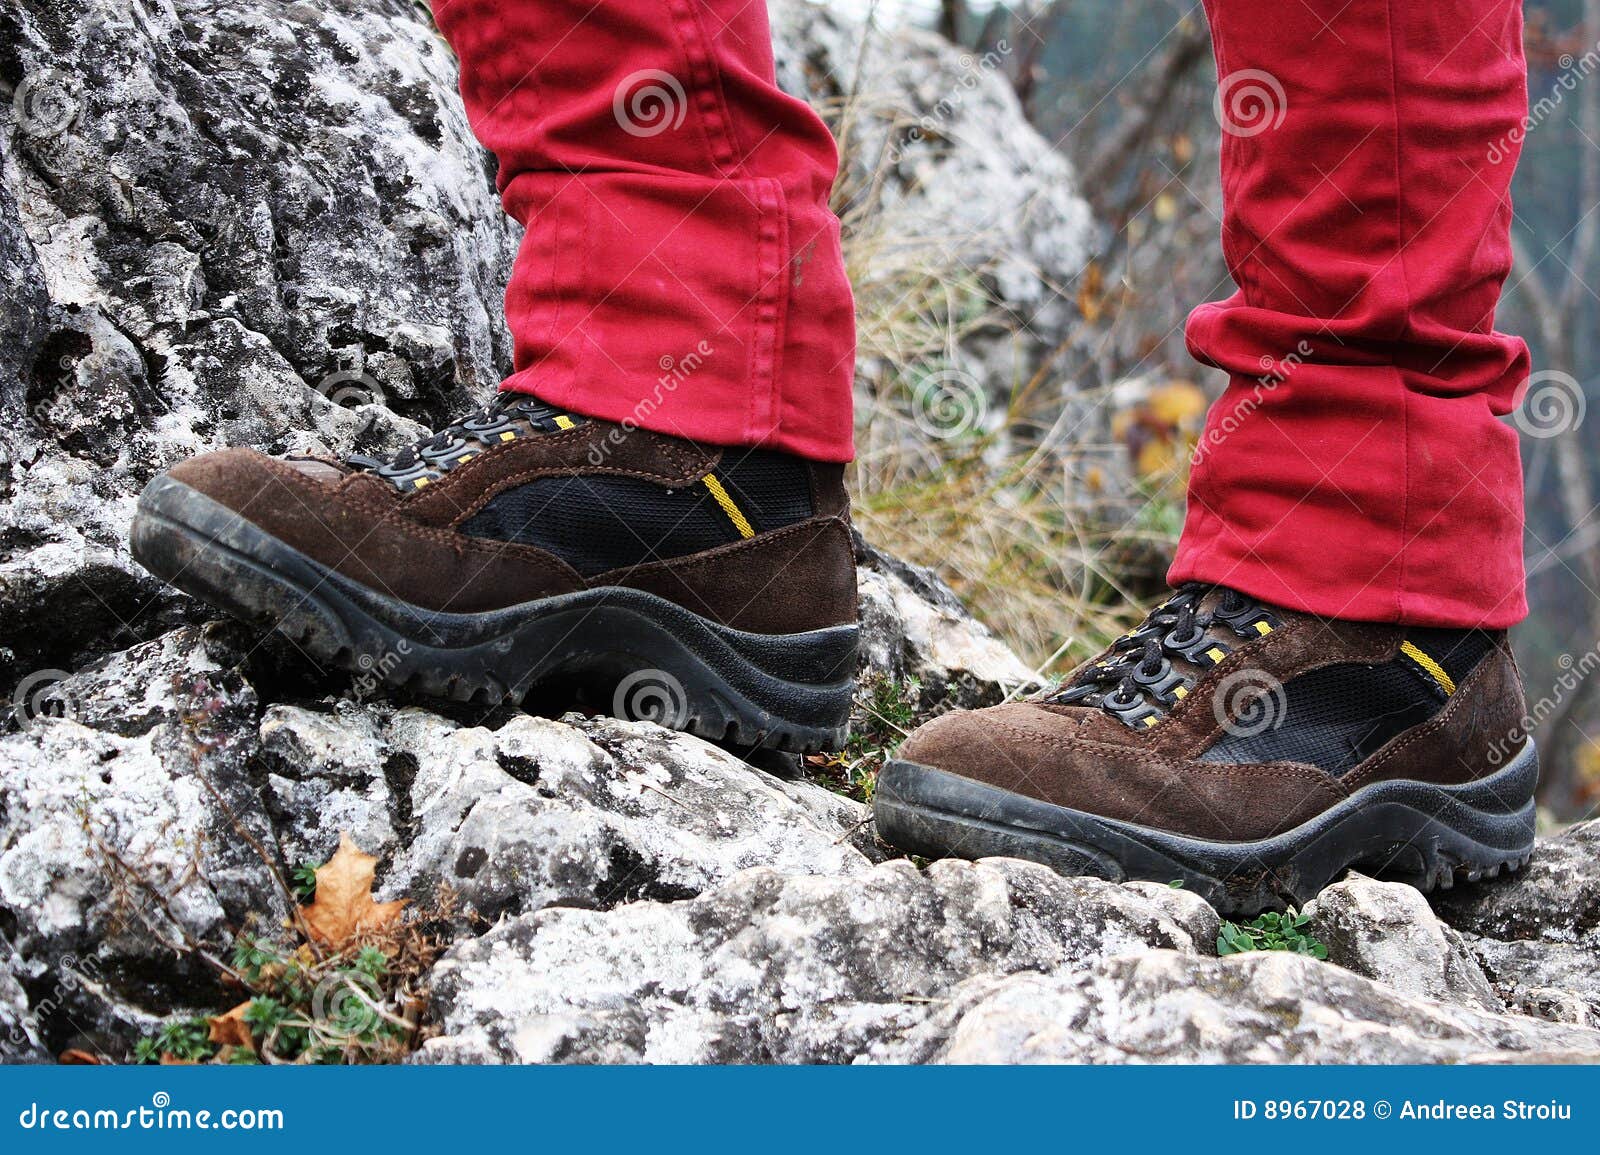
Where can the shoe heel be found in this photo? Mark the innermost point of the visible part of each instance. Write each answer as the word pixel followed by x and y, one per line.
pixel 790 692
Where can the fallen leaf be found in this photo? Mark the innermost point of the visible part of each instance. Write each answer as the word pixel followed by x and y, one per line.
pixel 1091 287
pixel 1156 456
pixel 343 907
pixel 77 1058
pixel 229 1028
pixel 1177 403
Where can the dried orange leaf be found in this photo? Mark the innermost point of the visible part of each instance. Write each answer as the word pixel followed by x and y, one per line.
pixel 229 1028
pixel 343 907
pixel 1177 403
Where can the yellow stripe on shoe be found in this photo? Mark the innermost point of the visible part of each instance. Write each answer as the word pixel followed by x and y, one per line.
pixel 735 515
pixel 1434 669
pixel 564 422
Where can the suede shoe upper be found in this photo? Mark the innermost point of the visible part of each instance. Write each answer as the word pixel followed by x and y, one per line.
pixel 1249 731
pixel 428 543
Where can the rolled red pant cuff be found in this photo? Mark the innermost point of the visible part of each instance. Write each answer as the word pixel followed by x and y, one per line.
pixel 1368 503
pixel 712 308
pixel 680 269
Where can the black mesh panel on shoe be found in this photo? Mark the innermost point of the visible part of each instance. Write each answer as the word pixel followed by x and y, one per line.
pixel 1458 651
pixel 599 523
pixel 773 488
pixel 1334 717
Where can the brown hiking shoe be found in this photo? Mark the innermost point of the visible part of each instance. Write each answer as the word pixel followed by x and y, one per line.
pixel 1251 753
pixel 523 549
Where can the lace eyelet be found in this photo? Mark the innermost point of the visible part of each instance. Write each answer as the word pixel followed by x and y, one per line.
pixel 1115 701
pixel 1175 643
pixel 1247 610
pixel 1152 677
pixel 1257 625
pixel 487 430
pixel 1163 685
pixel 410 473
pixel 444 453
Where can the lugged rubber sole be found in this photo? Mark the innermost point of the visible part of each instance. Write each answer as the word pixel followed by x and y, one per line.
pixel 1412 832
pixel 787 692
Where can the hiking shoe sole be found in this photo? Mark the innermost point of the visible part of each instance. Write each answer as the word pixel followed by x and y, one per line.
pixel 1425 835
pixel 788 692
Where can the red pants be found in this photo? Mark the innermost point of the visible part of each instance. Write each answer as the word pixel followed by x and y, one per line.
pixel 681 270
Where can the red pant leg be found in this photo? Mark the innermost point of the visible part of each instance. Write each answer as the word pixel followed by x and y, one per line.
pixel 1355 467
pixel 681 268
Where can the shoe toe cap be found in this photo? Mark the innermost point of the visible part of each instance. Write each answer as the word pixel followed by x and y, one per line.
pixel 997 745
pixel 238 478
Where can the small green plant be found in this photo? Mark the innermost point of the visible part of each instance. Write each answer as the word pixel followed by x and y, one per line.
pixel 187 1041
pixel 340 983
pixel 1270 931
pixel 885 712
pixel 371 962
pixel 304 1009
pixel 304 880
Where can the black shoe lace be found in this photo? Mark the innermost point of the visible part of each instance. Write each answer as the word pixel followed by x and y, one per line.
pixel 437 452
pixel 1138 675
